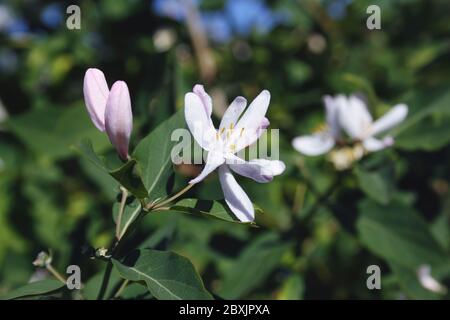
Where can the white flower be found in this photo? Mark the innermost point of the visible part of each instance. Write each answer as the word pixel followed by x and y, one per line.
pixel 427 281
pixel 235 133
pixel 323 141
pixel 356 121
pixel 350 115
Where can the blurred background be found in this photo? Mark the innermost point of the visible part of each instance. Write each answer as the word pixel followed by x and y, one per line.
pixel 321 228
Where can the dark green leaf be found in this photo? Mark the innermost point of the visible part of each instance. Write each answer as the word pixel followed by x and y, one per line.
pixel 92 287
pixel 374 185
pixel 35 288
pixel 134 291
pixel 426 135
pixel 153 155
pixel 127 175
pixel 253 266
pixel 168 276
pixel 398 234
pixel 52 131
pixel 214 209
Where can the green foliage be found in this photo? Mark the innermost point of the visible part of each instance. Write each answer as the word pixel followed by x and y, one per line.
pixel 127 175
pixel 254 265
pixel 153 154
pixel 209 208
pixel 167 275
pixel 320 228
pixel 34 289
pixel 398 234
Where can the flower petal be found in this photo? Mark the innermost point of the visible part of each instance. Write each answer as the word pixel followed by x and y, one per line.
pixel 332 115
pixel 260 170
pixel 265 123
pixel 372 144
pixel 199 90
pixel 247 130
pixel 235 196
pixel 96 93
pixel 389 120
pixel 119 118
pixel 354 117
pixel 198 121
pixel 314 145
pixel 212 162
pixel 233 113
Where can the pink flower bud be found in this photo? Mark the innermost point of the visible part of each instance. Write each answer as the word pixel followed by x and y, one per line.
pixel 96 93
pixel 119 118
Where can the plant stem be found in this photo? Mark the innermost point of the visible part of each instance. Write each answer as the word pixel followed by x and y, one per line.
pixel 162 209
pixel 105 281
pixel 186 189
pixel 121 209
pixel 55 273
pixel 122 287
pixel 119 236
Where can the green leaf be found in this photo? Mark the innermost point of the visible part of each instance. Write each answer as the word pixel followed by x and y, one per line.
pixel 209 208
pixel 426 135
pixel 135 291
pixel 153 155
pixel 421 107
pixel 168 276
pixel 398 234
pixel 128 175
pixel 92 287
pixel 373 185
pixel 130 214
pixel 35 288
pixel 292 289
pixel 51 131
pixel 253 266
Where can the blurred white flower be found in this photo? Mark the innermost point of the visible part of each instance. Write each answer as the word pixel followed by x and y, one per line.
pixel 357 122
pixel 428 282
pixel 350 115
pixel 324 140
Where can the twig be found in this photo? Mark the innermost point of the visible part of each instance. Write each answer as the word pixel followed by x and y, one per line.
pixel 121 210
pixel 159 205
pixel 122 287
pixel 55 273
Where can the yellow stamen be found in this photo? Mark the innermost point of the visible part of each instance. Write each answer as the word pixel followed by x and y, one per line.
pixel 320 128
pixel 222 130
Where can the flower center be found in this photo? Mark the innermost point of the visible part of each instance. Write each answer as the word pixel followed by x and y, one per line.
pixel 224 135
